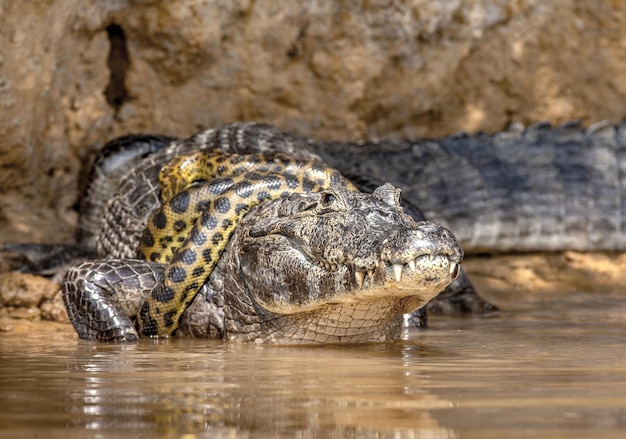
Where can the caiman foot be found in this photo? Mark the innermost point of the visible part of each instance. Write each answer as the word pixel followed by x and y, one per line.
pixel 101 295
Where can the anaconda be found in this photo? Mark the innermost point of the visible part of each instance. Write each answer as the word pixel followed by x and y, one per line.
pixel 200 212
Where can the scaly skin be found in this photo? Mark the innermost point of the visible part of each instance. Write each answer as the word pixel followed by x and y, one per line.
pixel 336 266
pixel 138 193
pixel 202 246
pixel 103 180
pixel 189 168
pixel 328 267
pixel 190 231
pixel 183 205
pixel 103 300
pixel 138 197
pixel 541 188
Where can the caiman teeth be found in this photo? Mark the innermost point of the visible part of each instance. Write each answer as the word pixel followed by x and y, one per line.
pixel 397 270
pixel 399 267
pixel 330 266
pixel 370 274
pixel 412 264
pixel 454 270
pixel 359 276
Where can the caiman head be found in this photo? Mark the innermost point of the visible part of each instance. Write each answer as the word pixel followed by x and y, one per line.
pixel 330 267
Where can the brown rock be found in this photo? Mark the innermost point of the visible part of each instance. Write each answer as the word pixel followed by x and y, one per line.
pixel 31 297
pixel 23 290
pixel 54 309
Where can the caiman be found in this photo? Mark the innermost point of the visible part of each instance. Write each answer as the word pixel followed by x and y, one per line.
pixel 523 189
pixel 242 233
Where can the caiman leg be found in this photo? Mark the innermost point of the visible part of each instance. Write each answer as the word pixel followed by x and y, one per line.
pixel 100 295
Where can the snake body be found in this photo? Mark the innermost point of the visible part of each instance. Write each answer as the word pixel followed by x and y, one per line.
pixel 204 195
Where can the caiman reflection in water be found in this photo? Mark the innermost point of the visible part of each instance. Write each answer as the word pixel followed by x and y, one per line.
pixel 186 386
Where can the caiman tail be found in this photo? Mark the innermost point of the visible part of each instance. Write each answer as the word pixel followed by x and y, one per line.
pixel 534 189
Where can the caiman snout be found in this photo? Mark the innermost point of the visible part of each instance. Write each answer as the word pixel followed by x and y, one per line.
pixel 422 247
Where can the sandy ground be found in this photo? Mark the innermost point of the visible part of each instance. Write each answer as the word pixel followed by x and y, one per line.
pixel 533 276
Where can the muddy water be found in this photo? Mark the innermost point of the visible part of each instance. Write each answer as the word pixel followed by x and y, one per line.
pixel 550 368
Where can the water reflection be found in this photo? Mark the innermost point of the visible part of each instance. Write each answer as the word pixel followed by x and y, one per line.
pixel 190 386
pixel 544 371
pixel 147 386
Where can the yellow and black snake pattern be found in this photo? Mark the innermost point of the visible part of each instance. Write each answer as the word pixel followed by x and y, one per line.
pixel 204 195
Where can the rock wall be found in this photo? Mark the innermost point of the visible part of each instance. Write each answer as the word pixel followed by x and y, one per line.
pixel 75 73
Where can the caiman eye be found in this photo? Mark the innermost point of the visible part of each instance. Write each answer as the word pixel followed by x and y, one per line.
pixel 327 199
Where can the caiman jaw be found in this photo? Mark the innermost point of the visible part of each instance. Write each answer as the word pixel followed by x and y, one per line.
pixel 414 260
pixel 398 270
pixel 359 275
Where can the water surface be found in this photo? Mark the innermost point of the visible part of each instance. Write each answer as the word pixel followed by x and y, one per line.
pixel 550 368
